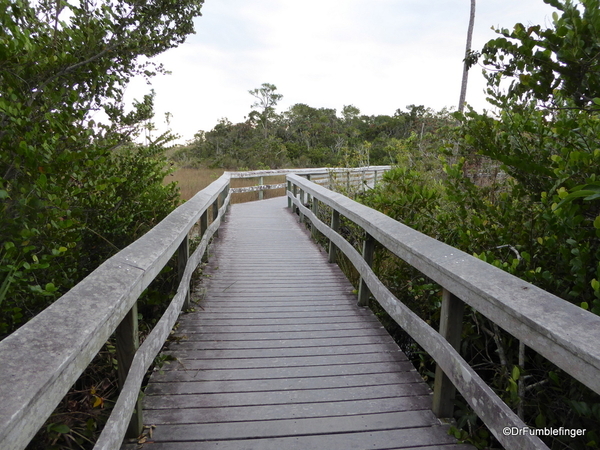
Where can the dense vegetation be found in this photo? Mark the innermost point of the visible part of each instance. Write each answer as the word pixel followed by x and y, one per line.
pixel 304 136
pixel 522 195
pixel 74 186
pixel 74 189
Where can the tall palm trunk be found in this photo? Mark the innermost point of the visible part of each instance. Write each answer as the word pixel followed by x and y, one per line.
pixel 465 77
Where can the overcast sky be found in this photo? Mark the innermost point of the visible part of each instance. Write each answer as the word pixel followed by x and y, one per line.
pixel 379 56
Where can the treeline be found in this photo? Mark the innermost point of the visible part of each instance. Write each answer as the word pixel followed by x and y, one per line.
pixel 305 136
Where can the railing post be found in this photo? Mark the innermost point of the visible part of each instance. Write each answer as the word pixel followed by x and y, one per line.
pixel 127 343
pixel 222 197
pixel 451 319
pixel 315 211
pixel 363 290
pixel 375 179
pixel 215 214
pixel 225 195
pixel 295 191
pixel 348 181
pixel 335 226
pixel 261 193
pixel 183 254
pixel 289 188
pixel 362 180
pixel 203 227
pixel 302 203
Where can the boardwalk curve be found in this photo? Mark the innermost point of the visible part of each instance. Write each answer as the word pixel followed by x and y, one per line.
pixel 278 356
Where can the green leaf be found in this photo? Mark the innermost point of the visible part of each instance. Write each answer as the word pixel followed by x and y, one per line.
pixel 59 428
pixel 42 181
pixel 516 372
pixel 540 421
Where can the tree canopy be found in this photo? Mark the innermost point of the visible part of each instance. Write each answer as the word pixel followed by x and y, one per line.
pixel 73 185
pixel 308 136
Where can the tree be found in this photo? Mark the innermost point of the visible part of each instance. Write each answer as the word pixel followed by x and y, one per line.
pixel 558 67
pixel 266 100
pixel 465 76
pixel 545 83
pixel 73 190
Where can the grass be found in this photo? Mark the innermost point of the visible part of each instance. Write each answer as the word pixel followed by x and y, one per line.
pixel 191 181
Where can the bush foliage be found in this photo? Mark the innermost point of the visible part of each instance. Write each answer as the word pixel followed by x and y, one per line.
pixel 74 190
pixel 520 190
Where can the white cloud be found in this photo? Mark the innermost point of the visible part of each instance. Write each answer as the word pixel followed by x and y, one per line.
pixel 379 56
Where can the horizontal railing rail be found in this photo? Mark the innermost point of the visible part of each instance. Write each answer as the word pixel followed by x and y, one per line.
pixel 563 333
pixel 351 179
pixel 44 358
pixel 41 361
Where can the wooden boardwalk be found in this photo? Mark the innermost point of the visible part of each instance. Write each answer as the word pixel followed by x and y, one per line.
pixel 279 357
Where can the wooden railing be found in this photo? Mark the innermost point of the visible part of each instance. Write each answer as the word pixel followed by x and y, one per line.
pixel 349 179
pixel 42 360
pixel 563 333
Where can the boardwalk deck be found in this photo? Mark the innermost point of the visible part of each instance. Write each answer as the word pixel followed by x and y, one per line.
pixel 279 356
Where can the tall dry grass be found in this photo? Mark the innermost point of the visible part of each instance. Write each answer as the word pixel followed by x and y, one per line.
pixel 253 196
pixel 191 181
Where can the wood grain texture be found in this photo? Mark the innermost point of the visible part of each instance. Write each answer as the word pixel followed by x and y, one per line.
pixel 484 401
pixel 560 331
pixel 278 355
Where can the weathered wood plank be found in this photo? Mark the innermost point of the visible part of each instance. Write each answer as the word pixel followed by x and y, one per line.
pixel 198 334
pixel 279 349
pixel 287 352
pixel 241 308
pixel 386 439
pixel 281 315
pixel 189 344
pixel 292 411
pixel 277 328
pixel 304 361
pixel 283 384
pixel 295 427
pixel 346 394
pixel 280 372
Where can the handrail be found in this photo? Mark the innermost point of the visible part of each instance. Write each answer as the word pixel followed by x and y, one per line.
pixel 43 359
pixel 560 331
pixel 356 177
pixel 309 171
pixel 116 426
